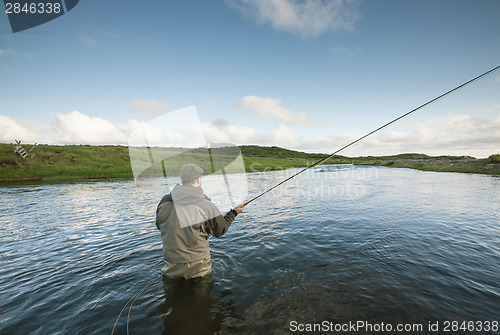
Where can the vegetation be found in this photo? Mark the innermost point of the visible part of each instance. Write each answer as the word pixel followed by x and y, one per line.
pixel 494 159
pixel 464 164
pixel 71 162
pixel 258 158
pixel 53 162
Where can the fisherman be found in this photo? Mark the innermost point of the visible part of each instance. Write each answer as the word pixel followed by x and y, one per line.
pixel 186 217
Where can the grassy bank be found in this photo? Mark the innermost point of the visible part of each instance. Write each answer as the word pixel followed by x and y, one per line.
pixel 72 162
pixel 65 163
pixel 463 164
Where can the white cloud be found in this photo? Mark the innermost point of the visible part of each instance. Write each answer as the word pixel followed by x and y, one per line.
pixel 149 108
pixel 87 40
pixel 12 129
pixel 78 128
pixel 497 79
pixel 286 136
pixel 266 108
pixel 461 133
pixel 179 128
pixel 153 135
pixel 303 17
pixel 222 131
pixel 449 135
pixel 130 126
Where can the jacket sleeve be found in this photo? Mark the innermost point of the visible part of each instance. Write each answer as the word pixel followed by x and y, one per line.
pixel 219 225
pixel 165 199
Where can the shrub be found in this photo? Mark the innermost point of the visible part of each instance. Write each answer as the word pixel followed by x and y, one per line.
pixel 495 158
pixel 8 161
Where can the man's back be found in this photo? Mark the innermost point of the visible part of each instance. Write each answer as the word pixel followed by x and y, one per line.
pixel 181 218
pixel 186 218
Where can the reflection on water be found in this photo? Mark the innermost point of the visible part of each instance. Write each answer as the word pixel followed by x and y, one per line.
pixel 337 243
pixel 189 308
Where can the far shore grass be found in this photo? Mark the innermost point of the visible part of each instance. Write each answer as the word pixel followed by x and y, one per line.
pixel 77 162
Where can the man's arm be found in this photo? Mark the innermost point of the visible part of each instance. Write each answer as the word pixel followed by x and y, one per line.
pixel 165 199
pixel 219 225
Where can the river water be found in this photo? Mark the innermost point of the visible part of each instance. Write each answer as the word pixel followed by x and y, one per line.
pixel 335 247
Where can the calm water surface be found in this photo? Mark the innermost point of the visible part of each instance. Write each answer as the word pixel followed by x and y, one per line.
pixel 338 244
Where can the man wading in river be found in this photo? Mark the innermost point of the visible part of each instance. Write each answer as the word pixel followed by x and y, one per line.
pixel 186 217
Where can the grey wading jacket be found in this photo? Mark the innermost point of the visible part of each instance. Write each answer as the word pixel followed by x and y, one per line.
pixel 185 226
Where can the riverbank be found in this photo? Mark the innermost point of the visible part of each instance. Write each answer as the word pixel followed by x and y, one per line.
pixel 73 162
pixel 462 164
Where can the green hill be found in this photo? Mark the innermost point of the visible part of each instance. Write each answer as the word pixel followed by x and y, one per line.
pixel 53 162
pixel 72 162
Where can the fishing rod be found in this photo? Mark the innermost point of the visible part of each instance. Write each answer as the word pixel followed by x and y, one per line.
pixel 374 131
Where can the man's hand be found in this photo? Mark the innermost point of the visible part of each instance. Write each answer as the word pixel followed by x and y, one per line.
pixel 238 209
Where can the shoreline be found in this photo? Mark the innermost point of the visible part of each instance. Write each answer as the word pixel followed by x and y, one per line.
pixel 68 163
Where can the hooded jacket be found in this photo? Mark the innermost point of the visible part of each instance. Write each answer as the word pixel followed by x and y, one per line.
pixel 186 217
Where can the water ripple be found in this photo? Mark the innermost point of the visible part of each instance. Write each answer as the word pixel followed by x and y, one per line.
pixel 341 243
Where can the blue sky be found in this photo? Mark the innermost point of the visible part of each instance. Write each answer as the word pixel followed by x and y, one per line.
pixel 309 75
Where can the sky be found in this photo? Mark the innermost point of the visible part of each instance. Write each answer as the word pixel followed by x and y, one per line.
pixel 308 75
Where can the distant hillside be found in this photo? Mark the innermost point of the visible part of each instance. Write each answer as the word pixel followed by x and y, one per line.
pixel 277 152
pixel 71 162
pixel 464 164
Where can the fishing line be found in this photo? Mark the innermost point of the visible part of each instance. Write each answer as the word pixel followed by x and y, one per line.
pixel 131 301
pixel 374 131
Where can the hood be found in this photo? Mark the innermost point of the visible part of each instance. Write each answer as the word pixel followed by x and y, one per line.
pixel 187 194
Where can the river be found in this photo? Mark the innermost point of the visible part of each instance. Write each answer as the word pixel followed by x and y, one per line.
pixel 337 247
